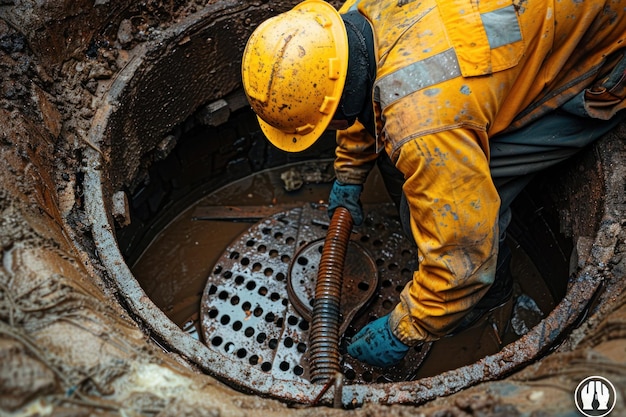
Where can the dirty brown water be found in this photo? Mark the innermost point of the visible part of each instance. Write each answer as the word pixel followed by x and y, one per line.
pixel 174 268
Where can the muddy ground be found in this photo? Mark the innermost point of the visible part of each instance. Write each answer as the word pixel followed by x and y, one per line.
pixel 68 345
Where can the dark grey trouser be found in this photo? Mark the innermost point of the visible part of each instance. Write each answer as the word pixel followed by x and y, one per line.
pixel 518 156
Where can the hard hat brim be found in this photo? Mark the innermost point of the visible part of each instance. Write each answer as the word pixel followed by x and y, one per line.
pixel 292 142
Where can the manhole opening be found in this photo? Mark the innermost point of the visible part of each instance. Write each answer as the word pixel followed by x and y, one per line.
pixel 237 266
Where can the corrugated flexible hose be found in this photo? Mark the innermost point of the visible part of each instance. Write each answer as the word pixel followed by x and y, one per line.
pixel 326 319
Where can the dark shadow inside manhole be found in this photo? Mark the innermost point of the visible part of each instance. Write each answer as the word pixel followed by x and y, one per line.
pixel 222 219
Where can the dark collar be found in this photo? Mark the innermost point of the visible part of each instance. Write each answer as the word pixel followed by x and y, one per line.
pixel 356 100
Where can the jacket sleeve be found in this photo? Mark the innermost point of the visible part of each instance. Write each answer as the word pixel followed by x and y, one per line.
pixel 454 211
pixel 355 154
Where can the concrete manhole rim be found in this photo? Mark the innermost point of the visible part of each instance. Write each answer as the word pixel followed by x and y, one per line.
pixel 492 367
pixel 512 357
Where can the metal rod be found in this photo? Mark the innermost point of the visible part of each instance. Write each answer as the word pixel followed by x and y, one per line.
pixel 325 322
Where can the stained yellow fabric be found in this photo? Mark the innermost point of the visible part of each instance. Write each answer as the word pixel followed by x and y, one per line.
pixel 438 136
pixel 454 207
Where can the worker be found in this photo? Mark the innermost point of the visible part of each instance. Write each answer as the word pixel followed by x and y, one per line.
pixel 459 103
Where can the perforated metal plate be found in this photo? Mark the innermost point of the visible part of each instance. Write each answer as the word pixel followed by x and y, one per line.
pixel 246 313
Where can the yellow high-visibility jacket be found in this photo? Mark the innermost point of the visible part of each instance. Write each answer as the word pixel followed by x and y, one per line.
pixel 450 75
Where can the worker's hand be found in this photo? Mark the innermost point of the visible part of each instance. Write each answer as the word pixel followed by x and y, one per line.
pixel 348 196
pixel 377 345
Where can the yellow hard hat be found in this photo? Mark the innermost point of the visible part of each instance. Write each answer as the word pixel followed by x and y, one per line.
pixel 293 70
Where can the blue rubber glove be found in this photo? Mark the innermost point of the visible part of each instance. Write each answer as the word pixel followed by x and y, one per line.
pixel 377 345
pixel 348 196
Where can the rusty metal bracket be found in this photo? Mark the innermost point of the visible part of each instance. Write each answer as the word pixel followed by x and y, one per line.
pixel 240 213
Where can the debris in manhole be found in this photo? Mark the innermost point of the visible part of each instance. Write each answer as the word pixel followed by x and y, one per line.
pixel 526 313
pixel 312 173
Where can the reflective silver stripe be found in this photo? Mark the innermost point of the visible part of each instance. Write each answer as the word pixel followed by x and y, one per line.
pixel 501 26
pixel 430 71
